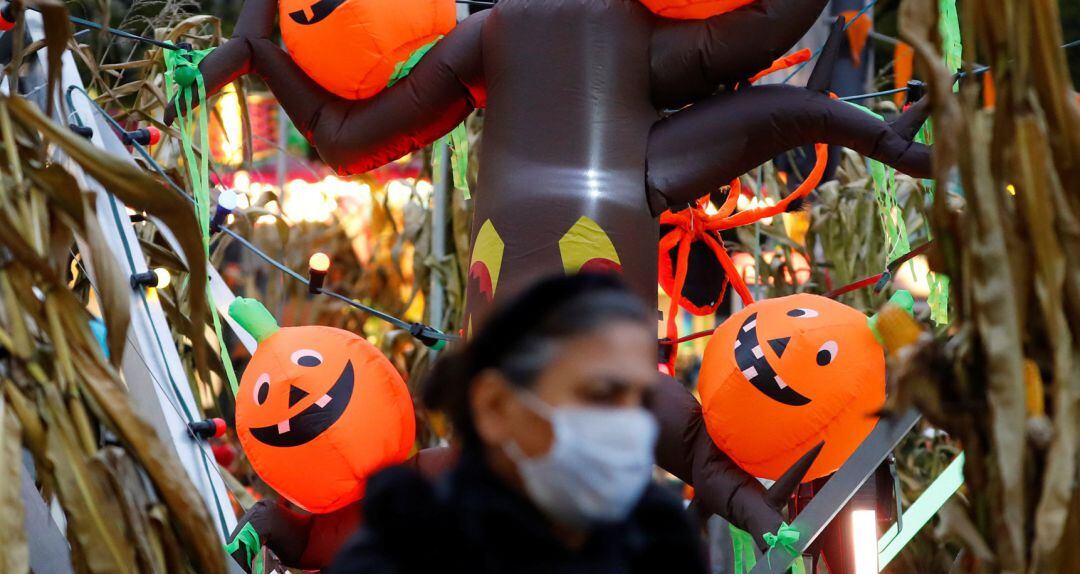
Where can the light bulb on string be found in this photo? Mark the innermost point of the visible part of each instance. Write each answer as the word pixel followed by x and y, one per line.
pixel 226 203
pixel 318 265
pixel 163 277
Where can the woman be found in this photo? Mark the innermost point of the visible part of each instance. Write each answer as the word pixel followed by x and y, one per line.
pixel 547 401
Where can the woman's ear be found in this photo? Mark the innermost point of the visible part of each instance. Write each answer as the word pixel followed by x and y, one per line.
pixel 491 401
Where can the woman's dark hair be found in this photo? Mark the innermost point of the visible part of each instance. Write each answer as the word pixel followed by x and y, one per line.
pixel 522 336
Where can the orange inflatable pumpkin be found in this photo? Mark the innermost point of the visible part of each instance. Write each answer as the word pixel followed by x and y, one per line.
pixel 319 410
pixel 784 374
pixel 693 9
pixel 354 47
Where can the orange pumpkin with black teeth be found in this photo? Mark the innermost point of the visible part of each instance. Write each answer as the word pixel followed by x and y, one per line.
pixel 319 410
pixel 353 47
pixel 784 374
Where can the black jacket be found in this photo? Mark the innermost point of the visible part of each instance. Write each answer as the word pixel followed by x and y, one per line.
pixel 470 522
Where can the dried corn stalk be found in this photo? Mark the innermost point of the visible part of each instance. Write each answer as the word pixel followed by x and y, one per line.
pixel 1006 382
pixel 57 386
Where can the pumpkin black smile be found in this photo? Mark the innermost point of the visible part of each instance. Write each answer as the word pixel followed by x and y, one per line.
pixel 313 421
pixel 756 368
pixel 319 11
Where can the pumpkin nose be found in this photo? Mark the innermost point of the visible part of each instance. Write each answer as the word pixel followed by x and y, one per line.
pixel 296 394
pixel 778 345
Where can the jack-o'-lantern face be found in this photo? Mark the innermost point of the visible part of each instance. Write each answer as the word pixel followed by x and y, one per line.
pixel 353 47
pixel 318 410
pixel 315 13
pixel 297 428
pixel 784 374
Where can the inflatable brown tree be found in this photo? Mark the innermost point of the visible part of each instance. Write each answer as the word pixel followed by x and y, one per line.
pixel 600 115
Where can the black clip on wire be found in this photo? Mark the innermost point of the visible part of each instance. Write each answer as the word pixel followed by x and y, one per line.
pixel 886 277
pixel 666 346
pixel 84 131
pixel 429 336
pixel 915 91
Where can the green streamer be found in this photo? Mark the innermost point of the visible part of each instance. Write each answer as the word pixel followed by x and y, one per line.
pixel 459 147
pixel 743 548
pixel 247 540
pixel 458 138
pixel 402 69
pixel 458 142
pixel 786 536
pixel 182 77
pixel 884 177
pixel 938 298
pixel 889 212
pixel 953 49
pixel 951 44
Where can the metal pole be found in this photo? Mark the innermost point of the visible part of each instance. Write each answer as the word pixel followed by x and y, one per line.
pixel 836 493
pixel 49 551
pixel 441 193
pixel 282 156
pixel 929 503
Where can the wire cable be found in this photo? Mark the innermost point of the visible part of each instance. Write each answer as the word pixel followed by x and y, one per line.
pixel 817 52
pixel 184 414
pixel 420 331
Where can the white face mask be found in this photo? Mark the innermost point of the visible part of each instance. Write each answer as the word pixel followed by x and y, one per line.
pixel 598 467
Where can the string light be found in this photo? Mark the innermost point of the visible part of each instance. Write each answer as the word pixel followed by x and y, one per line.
pixel 7 17
pixel 208 428
pixel 163 277
pixel 225 205
pixel 142 136
pixel 318 265
pixel 144 280
pixel 913 277
pixel 156 278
